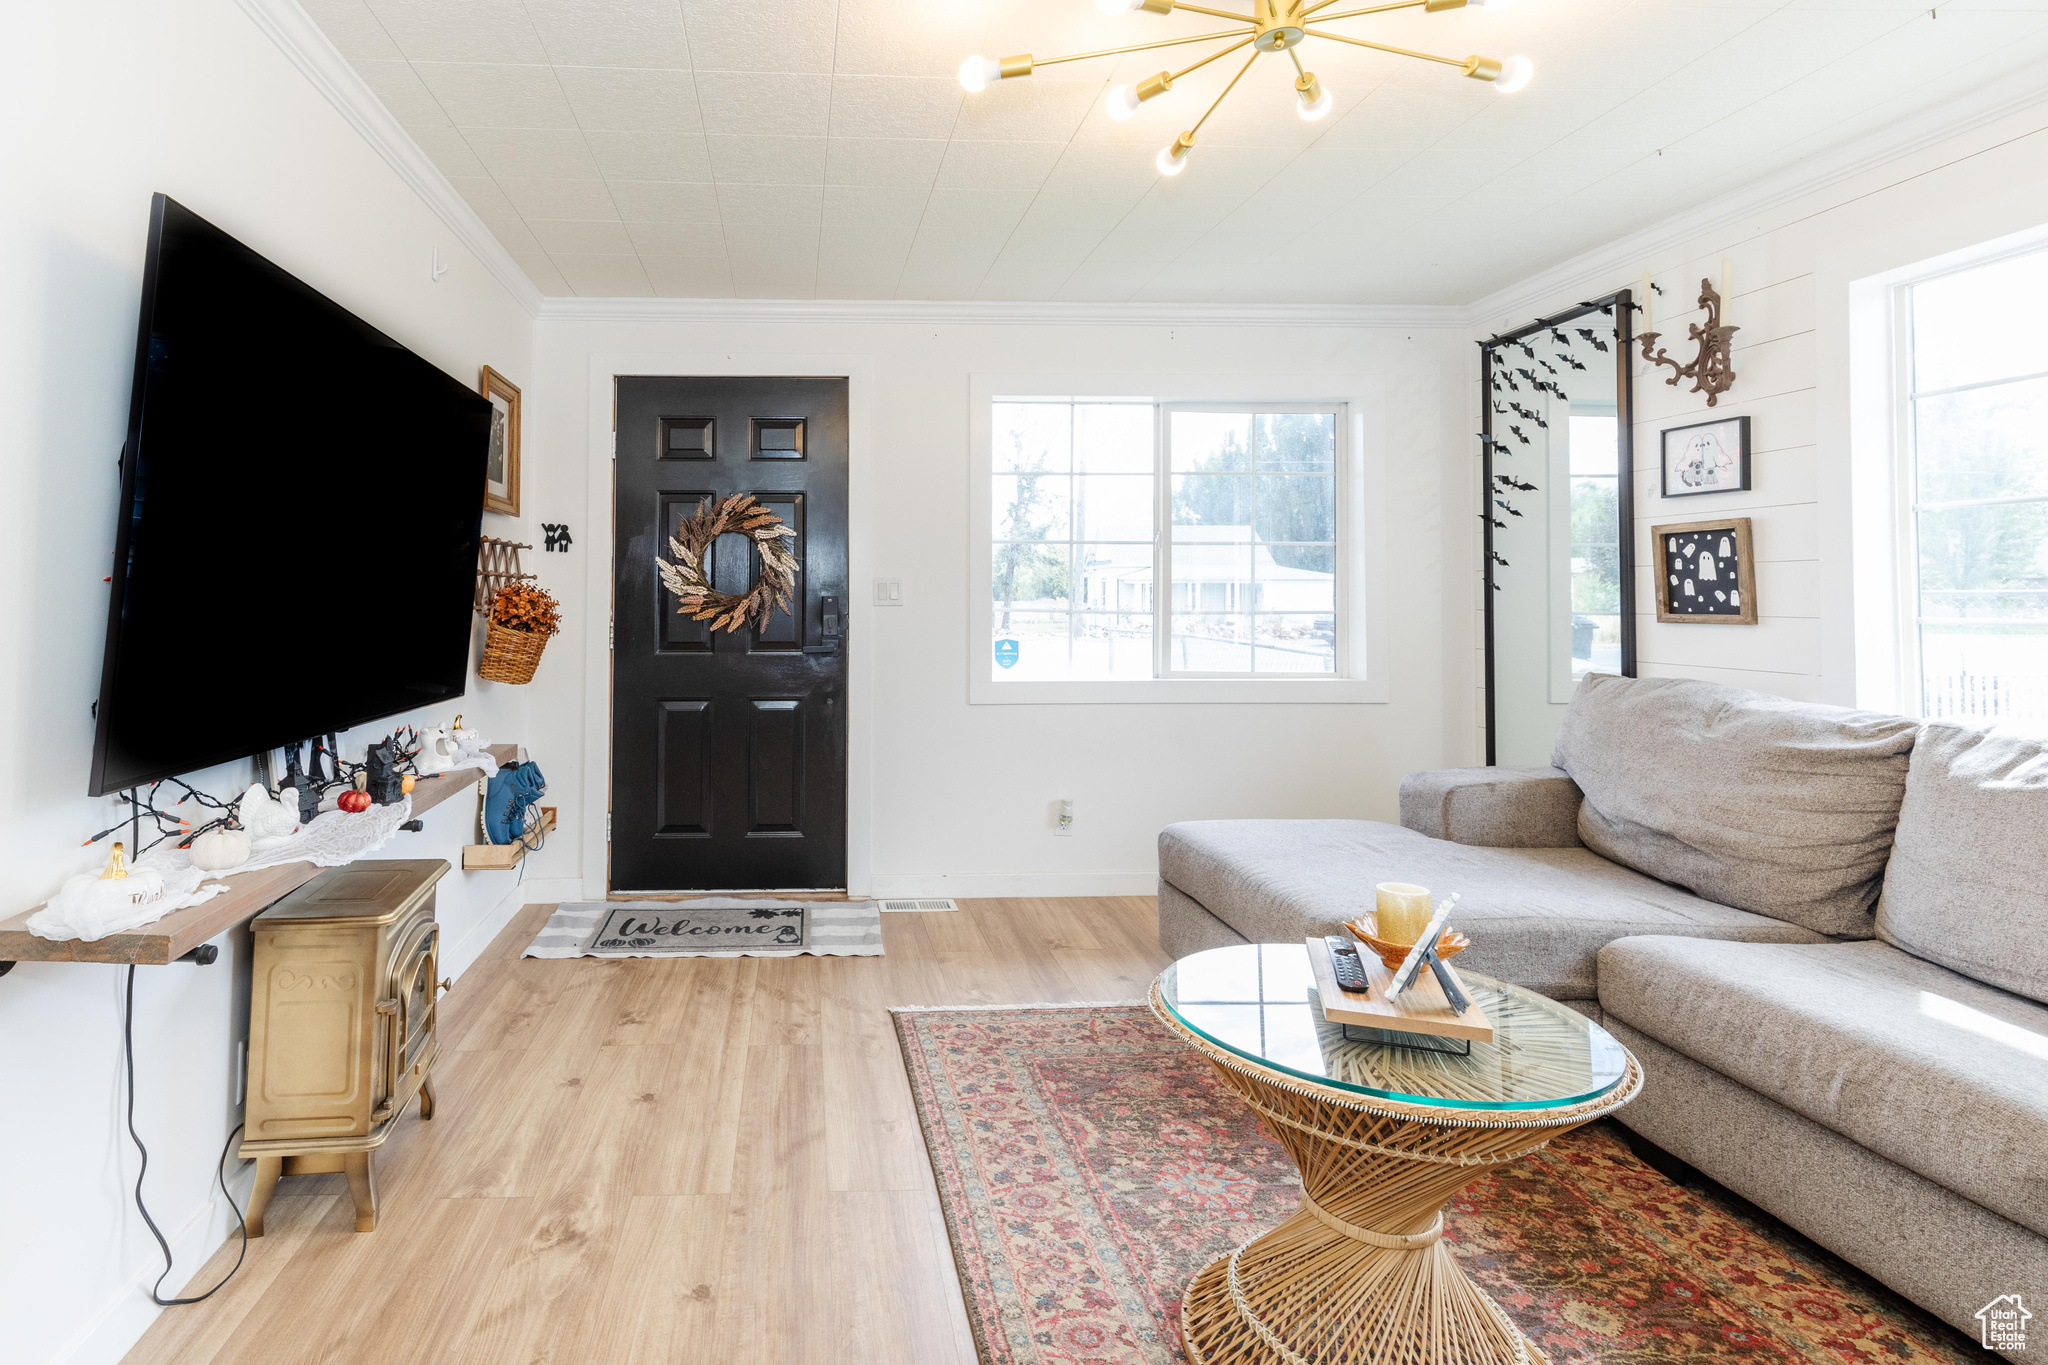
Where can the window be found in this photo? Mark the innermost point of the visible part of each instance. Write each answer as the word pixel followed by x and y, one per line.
pixel 1242 583
pixel 1593 446
pixel 1976 486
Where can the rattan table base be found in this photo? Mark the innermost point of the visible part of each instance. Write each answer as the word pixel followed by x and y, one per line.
pixel 1360 1276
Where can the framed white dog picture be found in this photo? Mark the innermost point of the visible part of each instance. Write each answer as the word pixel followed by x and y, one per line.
pixel 1707 457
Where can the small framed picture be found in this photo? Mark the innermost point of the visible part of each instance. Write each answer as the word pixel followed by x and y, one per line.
pixel 501 471
pixel 1707 457
pixel 1706 572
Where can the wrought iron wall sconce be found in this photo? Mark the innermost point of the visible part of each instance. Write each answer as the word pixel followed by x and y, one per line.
pixel 1711 370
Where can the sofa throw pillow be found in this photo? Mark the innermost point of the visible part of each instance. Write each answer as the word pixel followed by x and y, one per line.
pixel 1768 805
pixel 1965 887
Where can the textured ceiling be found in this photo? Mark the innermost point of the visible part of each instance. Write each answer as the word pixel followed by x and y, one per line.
pixel 823 148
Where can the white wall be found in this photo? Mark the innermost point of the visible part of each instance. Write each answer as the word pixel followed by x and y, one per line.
pixel 103 104
pixel 1798 243
pixel 950 798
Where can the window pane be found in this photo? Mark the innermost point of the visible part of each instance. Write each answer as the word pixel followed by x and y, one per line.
pixel 1295 507
pixel 1028 574
pixel 1984 614
pixel 1212 441
pixel 1975 325
pixel 1112 645
pixel 1030 506
pixel 1294 578
pixel 1211 574
pixel 1301 441
pixel 1116 578
pixel 1983 443
pixel 1029 647
pixel 1295 644
pixel 1213 500
pixel 1113 507
pixel 1113 438
pixel 1211 644
pixel 1030 436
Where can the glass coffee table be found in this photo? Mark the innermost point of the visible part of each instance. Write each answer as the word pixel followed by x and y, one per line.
pixel 1383 1135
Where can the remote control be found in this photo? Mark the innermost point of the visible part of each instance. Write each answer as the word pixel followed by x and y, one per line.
pixel 1344 959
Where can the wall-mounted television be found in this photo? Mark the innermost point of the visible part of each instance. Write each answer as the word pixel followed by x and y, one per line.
pixel 300 503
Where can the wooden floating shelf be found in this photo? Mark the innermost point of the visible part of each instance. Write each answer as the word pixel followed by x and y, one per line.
pixel 502 857
pixel 248 894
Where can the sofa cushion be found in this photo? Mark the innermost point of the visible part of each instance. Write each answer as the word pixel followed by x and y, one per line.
pixel 1536 915
pixel 1965 885
pixel 1494 807
pixel 1750 800
pixel 1944 1076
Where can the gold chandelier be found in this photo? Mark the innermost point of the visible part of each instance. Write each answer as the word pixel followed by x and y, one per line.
pixel 1276 26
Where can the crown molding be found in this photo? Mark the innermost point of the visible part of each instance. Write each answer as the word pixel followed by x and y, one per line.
pixel 1618 262
pixel 301 40
pixel 977 312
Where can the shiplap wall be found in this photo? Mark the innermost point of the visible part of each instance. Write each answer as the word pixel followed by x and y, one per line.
pixel 1798 249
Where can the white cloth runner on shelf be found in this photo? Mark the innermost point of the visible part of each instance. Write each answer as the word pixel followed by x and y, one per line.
pixel 335 837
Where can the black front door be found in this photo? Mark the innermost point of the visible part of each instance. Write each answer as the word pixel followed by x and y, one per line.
pixel 729 749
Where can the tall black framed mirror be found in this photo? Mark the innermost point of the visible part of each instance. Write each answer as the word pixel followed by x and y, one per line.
pixel 1559 474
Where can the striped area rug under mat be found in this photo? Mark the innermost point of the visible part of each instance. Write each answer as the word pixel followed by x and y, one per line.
pixel 715 926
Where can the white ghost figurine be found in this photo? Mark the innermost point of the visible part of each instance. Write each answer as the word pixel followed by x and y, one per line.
pixel 1735 598
pixel 266 817
pixel 1707 573
pixel 1688 589
pixel 437 752
pixel 1725 550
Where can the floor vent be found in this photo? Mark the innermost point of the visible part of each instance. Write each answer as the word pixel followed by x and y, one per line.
pixel 921 905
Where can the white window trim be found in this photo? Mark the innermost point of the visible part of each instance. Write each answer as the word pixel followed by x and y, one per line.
pixel 1362 577
pixel 1883 481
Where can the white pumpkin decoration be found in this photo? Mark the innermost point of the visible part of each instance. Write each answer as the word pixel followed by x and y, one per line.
pixel 265 817
pixel 220 848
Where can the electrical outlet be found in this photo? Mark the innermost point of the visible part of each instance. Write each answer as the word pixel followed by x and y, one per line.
pixel 1064 827
pixel 888 592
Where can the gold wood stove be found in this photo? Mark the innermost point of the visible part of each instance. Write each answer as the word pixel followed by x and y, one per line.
pixel 341 1024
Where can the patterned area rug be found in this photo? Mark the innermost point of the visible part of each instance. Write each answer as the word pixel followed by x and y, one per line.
pixel 1089 1165
pixel 711 926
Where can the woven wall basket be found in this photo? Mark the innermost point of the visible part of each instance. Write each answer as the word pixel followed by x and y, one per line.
pixel 510 656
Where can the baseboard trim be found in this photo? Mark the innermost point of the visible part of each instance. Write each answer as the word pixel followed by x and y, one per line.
pixel 467 949
pixel 1014 885
pixel 116 1328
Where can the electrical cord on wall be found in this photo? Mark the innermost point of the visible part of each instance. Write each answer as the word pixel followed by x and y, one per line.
pixel 155 1290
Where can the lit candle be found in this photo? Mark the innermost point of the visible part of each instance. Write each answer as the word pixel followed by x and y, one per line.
pixel 1403 911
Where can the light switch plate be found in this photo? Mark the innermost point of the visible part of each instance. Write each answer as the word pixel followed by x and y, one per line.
pixel 888 592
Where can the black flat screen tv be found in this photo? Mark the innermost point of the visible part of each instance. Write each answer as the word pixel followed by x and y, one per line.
pixel 300 503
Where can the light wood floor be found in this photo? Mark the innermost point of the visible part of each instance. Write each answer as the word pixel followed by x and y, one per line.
pixel 668 1161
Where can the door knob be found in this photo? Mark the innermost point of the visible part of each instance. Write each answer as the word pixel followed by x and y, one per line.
pixel 447 984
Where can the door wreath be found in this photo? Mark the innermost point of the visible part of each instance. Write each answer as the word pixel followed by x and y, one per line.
pixel 685 576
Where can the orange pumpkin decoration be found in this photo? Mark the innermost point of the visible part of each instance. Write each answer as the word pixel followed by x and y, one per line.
pixel 357 799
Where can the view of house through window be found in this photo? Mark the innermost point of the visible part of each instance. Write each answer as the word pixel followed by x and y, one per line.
pixel 1596 551
pixel 1248 494
pixel 1979 493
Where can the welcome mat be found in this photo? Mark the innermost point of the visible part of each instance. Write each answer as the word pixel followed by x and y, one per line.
pixel 716 926
pixel 1089 1164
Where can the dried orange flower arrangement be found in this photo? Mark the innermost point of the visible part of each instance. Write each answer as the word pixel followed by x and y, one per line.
pixel 521 606
pixel 518 627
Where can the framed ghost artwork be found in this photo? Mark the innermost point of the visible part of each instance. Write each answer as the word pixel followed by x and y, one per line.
pixel 1706 572
pixel 1707 457
pixel 501 470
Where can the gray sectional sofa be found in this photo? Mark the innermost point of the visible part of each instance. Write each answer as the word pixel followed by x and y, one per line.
pixel 1823 932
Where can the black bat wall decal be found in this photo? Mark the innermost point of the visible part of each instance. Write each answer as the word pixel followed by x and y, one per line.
pixel 1587 333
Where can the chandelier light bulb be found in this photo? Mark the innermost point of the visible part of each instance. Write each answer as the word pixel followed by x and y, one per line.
pixel 1515 73
pixel 1311 100
pixel 1122 102
pixel 1173 157
pixel 976 72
